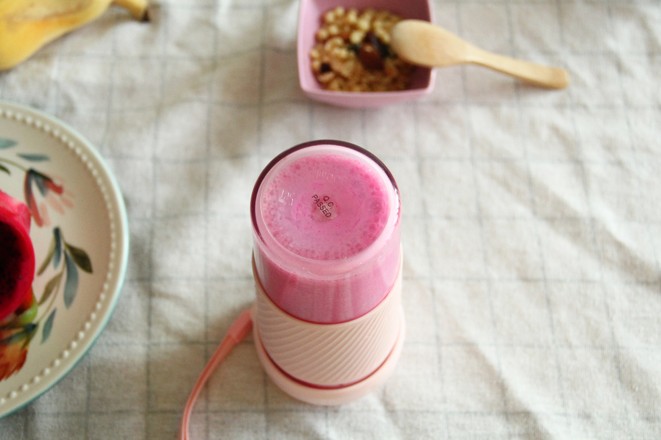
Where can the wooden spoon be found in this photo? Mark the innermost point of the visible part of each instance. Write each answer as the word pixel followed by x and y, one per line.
pixel 424 44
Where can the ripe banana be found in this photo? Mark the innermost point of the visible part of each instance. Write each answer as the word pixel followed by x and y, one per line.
pixel 28 25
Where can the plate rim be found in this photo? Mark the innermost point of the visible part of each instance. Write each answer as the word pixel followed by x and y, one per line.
pixel 115 202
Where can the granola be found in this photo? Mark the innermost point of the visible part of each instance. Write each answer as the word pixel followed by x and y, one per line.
pixel 352 52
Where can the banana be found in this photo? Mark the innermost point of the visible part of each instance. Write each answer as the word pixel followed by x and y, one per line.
pixel 28 25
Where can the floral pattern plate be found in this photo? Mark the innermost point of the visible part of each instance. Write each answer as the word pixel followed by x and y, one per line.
pixel 80 235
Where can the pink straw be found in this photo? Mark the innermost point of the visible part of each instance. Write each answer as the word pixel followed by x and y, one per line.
pixel 239 329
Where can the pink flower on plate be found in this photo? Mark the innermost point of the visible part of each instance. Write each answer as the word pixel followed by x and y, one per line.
pixel 51 194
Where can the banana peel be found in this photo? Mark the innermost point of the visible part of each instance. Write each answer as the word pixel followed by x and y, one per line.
pixel 28 25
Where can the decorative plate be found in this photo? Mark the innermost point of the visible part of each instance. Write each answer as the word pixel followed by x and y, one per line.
pixel 80 235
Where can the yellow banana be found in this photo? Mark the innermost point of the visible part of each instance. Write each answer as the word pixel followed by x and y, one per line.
pixel 28 25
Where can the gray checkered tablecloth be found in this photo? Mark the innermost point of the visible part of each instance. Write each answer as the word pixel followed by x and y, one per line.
pixel 531 231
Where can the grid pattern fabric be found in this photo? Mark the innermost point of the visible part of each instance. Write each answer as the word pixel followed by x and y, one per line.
pixel 531 227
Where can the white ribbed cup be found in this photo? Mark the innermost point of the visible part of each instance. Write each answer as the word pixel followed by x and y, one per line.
pixel 329 355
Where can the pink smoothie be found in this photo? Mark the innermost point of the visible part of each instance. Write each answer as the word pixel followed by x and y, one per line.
pixel 326 221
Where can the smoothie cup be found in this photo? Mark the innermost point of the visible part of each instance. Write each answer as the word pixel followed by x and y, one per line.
pixel 326 219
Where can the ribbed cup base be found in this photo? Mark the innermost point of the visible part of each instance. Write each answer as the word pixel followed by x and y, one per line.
pixel 329 364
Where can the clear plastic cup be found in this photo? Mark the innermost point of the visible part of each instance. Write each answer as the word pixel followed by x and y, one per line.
pixel 326 219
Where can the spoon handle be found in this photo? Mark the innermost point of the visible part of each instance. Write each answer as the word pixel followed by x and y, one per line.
pixel 535 74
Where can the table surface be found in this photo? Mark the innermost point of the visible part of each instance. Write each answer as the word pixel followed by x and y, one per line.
pixel 531 226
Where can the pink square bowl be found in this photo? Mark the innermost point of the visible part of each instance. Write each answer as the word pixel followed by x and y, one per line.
pixel 308 23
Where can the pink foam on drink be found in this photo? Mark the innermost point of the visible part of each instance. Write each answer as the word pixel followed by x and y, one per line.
pixel 326 221
pixel 325 207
